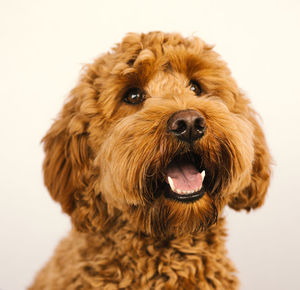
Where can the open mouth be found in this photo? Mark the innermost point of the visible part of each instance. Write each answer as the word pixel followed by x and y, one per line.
pixel 184 178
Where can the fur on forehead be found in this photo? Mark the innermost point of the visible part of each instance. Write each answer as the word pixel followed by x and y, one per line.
pixel 138 58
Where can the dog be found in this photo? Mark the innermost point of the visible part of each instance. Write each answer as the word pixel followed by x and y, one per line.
pixel 151 145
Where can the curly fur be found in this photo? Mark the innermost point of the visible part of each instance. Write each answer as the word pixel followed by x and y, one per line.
pixel 104 159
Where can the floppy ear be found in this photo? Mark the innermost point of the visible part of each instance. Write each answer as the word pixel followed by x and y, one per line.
pixel 67 157
pixel 68 171
pixel 253 195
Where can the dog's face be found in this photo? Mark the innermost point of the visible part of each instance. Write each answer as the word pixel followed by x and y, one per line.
pixel 157 131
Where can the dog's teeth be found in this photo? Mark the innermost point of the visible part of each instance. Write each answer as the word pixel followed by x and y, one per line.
pixel 171 183
pixel 203 175
pixel 179 191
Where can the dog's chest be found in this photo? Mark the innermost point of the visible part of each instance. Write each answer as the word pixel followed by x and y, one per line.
pixel 124 260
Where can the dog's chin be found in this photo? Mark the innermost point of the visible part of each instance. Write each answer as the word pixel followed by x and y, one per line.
pixel 170 216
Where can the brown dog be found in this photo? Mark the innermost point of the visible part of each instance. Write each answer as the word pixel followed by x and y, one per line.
pixel 153 143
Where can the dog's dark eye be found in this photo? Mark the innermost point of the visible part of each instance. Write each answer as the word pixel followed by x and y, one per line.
pixel 195 87
pixel 134 96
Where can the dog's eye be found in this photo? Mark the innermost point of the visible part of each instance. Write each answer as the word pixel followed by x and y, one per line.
pixel 195 87
pixel 134 96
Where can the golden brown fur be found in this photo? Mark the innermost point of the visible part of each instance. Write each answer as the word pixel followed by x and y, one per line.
pixel 105 159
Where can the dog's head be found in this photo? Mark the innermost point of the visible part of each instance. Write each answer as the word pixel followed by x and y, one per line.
pixel 156 132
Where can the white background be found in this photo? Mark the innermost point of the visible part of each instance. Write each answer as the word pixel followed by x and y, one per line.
pixel 43 45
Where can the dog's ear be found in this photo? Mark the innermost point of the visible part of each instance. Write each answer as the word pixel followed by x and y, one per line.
pixel 69 172
pixel 253 195
pixel 66 157
pixel 68 168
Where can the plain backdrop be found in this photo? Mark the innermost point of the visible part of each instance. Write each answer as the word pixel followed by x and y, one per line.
pixel 43 45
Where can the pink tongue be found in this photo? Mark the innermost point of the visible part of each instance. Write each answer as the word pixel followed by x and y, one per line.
pixel 185 176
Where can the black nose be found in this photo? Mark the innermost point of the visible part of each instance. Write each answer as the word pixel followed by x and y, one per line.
pixel 187 125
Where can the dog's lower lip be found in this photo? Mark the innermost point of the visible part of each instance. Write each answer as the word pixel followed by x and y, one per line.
pixel 186 198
